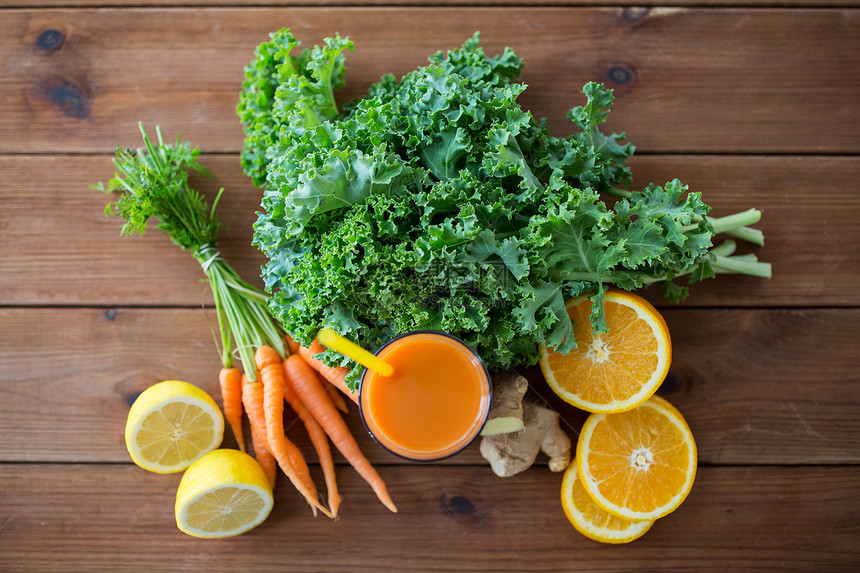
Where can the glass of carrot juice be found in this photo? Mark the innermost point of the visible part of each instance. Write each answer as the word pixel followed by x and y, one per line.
pixel 434 404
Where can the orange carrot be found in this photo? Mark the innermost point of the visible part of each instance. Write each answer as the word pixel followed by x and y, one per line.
pixel 319 440
pixel 332 391
pixel 333 374
pixel 293 345
pixel 289 457
pixel 311 391
pixel 230 380
pixel 336 396
pixel 252 398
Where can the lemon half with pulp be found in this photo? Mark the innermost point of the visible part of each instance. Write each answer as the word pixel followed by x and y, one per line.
pixel 172 424
pixel 222 494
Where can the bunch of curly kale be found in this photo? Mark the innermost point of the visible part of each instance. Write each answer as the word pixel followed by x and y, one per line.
pixel 437 202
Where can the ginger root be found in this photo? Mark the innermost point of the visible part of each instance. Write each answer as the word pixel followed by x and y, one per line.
pixel 512 453
pixel 506 410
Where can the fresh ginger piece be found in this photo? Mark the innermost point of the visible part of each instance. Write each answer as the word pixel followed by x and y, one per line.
pixel 506 410
pixel 510 454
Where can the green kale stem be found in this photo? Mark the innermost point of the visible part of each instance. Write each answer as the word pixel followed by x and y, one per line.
pixel 720 258
pixel 745 265
pixel 736 225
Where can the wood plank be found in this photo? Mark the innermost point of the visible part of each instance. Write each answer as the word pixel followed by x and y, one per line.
pixel 117 517
pixel 732 80
pixel 531 4
pixel 56 247
pixel 756 386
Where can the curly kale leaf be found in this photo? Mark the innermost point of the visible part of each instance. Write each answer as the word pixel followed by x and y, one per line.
pixel 282 90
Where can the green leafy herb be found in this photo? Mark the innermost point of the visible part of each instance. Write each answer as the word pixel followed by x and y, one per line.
pixel 153 182
pixel 437 202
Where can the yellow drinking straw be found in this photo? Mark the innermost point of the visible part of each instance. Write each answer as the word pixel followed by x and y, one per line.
pixel 331 339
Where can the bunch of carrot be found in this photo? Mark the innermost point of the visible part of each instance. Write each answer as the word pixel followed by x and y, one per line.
pixel 154 182
pixel 309 387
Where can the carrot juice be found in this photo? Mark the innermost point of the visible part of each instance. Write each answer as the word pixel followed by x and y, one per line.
pixel 436 401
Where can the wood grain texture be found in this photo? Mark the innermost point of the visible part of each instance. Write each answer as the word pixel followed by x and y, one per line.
pixel 120 518
pixel 522 4
pixel 56 247
pixel 731 80
pixel 754 106
pixel 756 386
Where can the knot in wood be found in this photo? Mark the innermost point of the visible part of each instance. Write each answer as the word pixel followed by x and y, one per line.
pixel 130 399
pixel 461 505
pixel 461 509
pixel 70 98
pixel 621 74
pixel 677 383
pixel 634 13
pixel 50 40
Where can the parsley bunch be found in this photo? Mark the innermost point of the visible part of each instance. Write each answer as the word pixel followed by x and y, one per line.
pixel 437 202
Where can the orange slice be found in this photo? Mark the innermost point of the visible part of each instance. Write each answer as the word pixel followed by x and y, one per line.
pixel 640 464
pixel 592 520
pixel 613 371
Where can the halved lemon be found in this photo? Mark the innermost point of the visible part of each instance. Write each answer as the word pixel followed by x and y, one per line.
pixel 639 464
pixel 222 494
pixel 613 371
pixel 172 424
pixel 593 521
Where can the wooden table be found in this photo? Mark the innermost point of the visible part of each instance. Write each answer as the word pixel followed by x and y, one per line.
pixel 755 106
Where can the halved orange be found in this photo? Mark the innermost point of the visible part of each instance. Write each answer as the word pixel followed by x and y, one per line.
pixel 592 520
pixel 639 464
pixel 613 371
